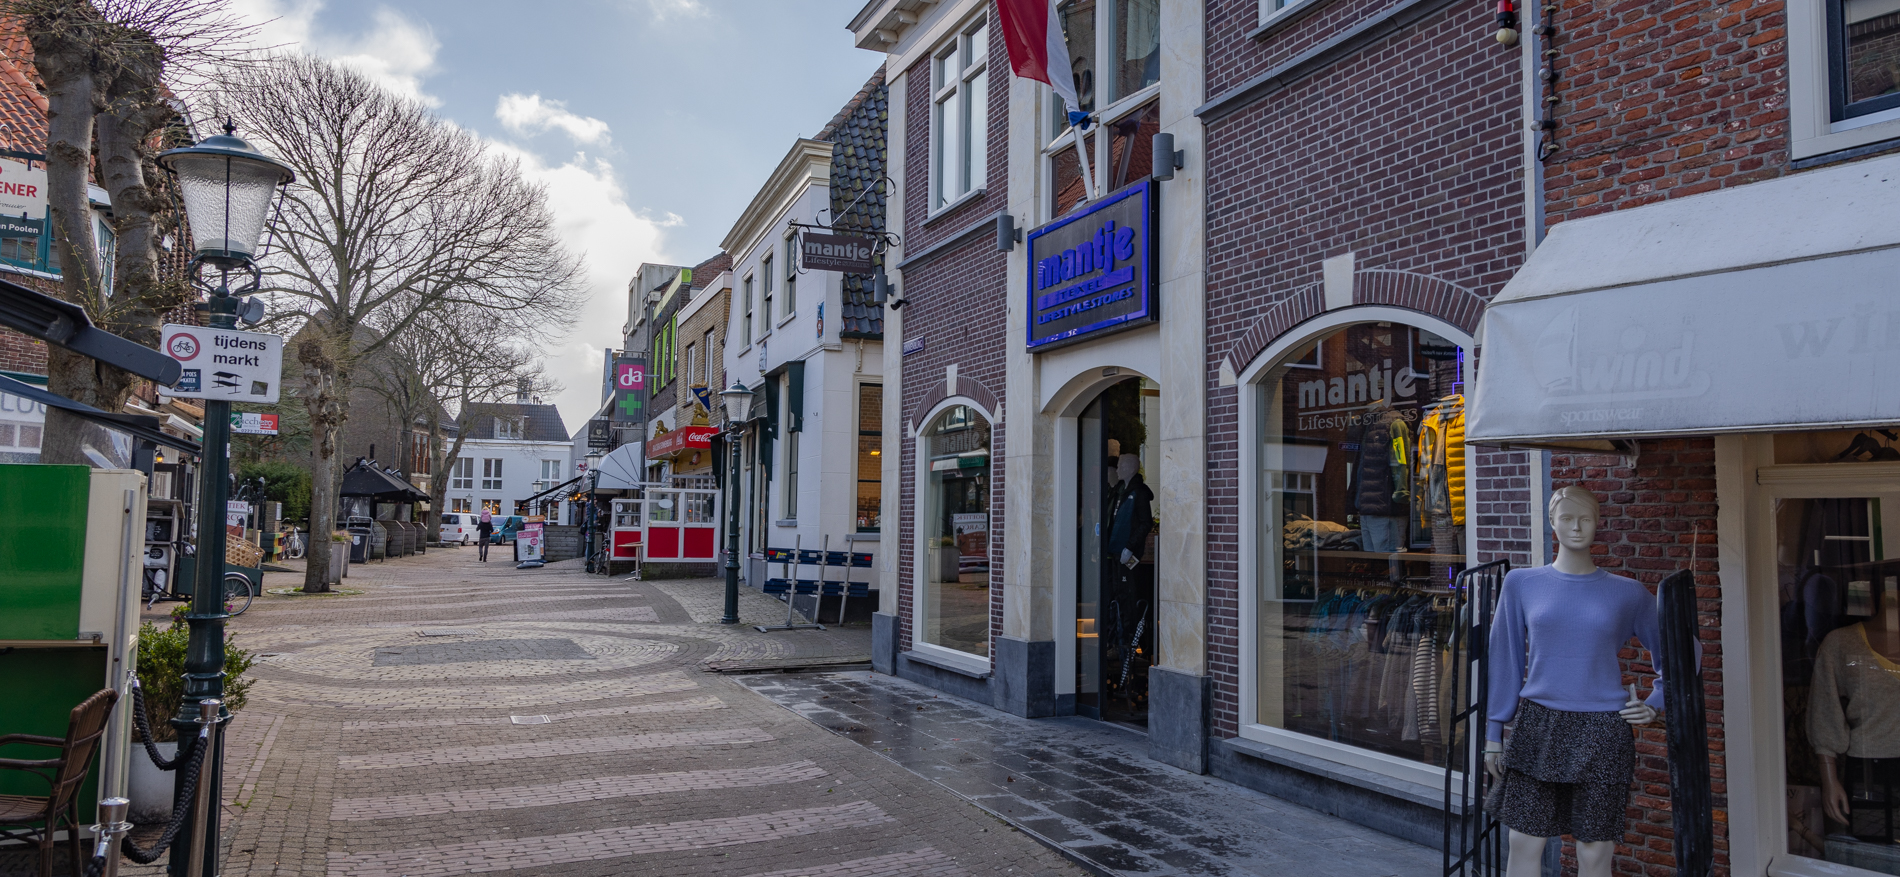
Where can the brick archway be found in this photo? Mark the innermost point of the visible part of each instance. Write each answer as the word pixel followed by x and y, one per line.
pixel 1372 286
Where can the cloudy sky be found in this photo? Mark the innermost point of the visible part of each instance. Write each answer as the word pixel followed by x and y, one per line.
pixel 651 122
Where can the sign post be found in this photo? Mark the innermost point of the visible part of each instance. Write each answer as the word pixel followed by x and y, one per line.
pixel 227 365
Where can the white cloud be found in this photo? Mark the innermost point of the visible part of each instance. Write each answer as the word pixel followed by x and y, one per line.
pixel 394 50
pixel 593 217
pixel 529 114
pixel 665 9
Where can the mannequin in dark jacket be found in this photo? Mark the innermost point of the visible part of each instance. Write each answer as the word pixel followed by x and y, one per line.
pixel 1378 492
pixel 1133 514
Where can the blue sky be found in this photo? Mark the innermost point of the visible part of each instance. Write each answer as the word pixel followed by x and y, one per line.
pixel 652 122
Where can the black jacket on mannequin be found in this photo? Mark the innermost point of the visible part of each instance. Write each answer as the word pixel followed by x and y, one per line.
pixel 1133 517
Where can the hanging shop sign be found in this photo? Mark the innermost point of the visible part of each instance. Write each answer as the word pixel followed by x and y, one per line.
pixel 253 423
pixel 835 252
pixel 224 364
pixel 22 198
pixel 600 434
pixel 630 389
pixel 1092 273
pixel 686 438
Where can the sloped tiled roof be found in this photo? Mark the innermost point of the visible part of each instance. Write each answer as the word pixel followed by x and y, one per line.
pixel 858 154
pixel 543 422
pixel 22 107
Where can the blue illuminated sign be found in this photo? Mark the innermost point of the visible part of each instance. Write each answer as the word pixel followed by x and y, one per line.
pixel 1091 273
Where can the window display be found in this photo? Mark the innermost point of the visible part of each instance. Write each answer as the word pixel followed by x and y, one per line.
pixel 953 535
pixel 1840 673
pixel 1361 516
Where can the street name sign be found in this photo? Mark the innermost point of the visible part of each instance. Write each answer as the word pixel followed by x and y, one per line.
pixel 225 364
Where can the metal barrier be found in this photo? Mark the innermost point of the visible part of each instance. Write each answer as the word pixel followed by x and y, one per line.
pixel 1474 840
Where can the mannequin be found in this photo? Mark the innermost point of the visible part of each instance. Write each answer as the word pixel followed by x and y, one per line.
pixel 1854 710
pixel 1554 643
pixel 1133 515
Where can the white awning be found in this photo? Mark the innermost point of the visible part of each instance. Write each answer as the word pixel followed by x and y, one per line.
pixel 621 468
pixel 1768 306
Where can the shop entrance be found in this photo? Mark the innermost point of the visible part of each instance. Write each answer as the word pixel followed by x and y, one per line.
pixel 1115 562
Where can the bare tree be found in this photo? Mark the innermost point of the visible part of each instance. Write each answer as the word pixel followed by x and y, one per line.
pixel 395 215
pixel 104 64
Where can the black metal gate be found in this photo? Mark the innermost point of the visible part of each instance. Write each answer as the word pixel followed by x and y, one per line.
pixel 1474 841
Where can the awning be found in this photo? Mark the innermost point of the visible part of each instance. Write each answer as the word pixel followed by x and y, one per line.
pixel 559 492
pixel 620 469
pixel 1769 306
pixel 145 428
pixel 367 480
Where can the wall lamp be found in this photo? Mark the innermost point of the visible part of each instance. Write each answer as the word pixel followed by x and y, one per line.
pixel 1164 167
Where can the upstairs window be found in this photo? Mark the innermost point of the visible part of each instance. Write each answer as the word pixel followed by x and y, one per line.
pixel 959 117
pixel 1863 56
pixel 791 276
pixel 462 475
pixel 510 427
pixel 765 270
pixel 491 474
pixel 745 328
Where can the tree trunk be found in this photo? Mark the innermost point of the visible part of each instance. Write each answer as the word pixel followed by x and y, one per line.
pixel 325 392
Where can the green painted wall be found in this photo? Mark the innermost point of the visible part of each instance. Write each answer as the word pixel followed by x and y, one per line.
pixel 42 550
pixel 43 686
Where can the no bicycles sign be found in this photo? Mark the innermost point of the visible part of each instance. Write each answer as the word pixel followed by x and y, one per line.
pixel 224 363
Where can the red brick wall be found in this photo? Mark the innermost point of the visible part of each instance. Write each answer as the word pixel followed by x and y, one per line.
pixel 1408 154
pixel 955 302
pixel 1662 100
pixel 1501 505
pixel 1657 514
pixel 18 353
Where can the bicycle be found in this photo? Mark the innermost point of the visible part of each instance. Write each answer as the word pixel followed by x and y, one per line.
pixel 293 545
pixel 238 593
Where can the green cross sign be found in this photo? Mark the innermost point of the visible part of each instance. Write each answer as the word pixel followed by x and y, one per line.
pixel 629 404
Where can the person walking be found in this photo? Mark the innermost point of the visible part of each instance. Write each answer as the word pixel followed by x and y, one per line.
pixel 483 528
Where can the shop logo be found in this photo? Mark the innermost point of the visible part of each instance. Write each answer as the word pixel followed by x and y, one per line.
pixel 1636 367
pixel 1359 389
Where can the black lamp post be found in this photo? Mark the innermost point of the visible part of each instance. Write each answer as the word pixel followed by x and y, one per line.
pixel 588 519
pixel 737 399
pixel 227 188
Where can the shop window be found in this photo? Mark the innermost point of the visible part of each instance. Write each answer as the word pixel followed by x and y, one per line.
pixel 491 474
pixel 953 533
pixel 462 474
pixel 959 116
pixel 1863 56
pixel 1839 599
pixel 459 505
pixel 870 457
pixel 1361 513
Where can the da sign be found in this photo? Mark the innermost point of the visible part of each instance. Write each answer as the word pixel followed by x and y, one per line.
pixel 1091 273
pixel 224 363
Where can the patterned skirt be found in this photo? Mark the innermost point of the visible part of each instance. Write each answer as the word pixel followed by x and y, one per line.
pixel 1566 773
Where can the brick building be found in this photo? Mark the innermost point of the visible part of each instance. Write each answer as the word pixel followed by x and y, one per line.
pixel 1711 300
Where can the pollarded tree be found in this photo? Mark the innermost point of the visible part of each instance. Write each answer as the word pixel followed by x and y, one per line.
pixel 395 215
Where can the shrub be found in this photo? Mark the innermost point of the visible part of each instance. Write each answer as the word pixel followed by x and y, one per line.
pixel 161 667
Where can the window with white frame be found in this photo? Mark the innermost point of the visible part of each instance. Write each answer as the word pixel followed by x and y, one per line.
pixel 1843 74
pixel 462 474
pixel 791 476
pixel 706 360
pixel 491 474
pixel 550 475
pixel 1863 57
pixel 959 116
pixel 791 276
pixel 459 505
pixel 745 329
pixel 1120 90
pixel 510 427
pixel 765 271
pixel 692 363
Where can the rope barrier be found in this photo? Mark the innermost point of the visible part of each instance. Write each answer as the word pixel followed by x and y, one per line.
pixel 144 727
pixel 188 790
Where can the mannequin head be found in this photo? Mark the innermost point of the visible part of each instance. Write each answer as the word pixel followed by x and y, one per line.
pixel 1126 466
pixel 1573 516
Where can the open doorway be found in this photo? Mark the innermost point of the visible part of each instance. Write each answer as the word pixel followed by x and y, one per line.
pixel 1115 562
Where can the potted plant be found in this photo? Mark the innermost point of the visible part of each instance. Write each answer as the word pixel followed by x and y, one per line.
pixel 339 556
pixel 161 671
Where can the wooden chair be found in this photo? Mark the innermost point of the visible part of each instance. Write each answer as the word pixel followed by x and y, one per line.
pixel 41 815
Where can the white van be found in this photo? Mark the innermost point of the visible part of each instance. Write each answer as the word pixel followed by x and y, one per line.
pixel 459 528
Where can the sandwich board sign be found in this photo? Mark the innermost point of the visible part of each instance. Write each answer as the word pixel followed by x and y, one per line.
pixel 227 364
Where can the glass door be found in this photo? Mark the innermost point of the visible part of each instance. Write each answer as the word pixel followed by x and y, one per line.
pixel 1838 589
pixel 1115 562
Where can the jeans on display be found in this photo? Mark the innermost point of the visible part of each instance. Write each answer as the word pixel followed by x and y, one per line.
pixel 1381 533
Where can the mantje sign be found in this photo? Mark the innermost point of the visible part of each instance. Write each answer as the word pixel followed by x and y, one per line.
pixel 1091 273
pixel 835 252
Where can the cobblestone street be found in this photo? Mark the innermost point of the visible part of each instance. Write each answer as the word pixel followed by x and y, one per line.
pixel 459 717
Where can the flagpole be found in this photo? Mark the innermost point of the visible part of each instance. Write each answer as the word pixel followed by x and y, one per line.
pixel 1088 178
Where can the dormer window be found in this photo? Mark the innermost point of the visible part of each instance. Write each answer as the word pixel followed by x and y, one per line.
pixel 510 427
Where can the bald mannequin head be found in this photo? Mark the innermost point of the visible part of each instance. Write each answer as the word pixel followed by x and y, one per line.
pixel 1126 466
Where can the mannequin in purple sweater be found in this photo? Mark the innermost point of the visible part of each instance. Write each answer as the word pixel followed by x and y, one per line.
pixel 1573 667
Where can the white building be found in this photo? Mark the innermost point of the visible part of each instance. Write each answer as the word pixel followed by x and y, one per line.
pixel 512 451
pixel 810 472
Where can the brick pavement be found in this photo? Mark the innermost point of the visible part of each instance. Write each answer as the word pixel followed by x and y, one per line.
pixel 346 765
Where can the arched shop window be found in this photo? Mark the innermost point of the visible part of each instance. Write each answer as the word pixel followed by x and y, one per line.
pixel 1361 488
pixel 953 600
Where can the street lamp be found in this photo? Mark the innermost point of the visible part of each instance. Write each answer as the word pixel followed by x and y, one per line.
pixel 738 400
pixel 589 521
pixel 227 188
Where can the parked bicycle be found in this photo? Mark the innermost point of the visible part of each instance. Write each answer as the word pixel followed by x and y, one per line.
pixel 239 591
pixel 293 545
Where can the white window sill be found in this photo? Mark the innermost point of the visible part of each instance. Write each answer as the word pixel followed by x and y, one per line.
pixel 951 207
pixel 1849 134
pixel 787 522
pixel 949 659
pixel 787 318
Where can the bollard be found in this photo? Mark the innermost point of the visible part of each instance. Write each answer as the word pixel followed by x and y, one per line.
pixel 112 826
pixel 201 808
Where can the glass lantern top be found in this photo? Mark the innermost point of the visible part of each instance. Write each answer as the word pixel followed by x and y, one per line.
pixel 737 397
pixel 226 186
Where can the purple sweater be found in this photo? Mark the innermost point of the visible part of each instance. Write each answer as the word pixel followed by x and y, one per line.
pixel 1569 629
